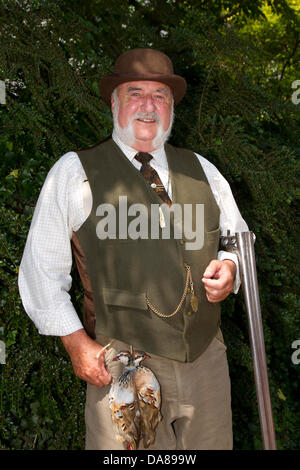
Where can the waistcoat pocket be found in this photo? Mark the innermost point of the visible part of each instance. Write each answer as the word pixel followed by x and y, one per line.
pixel 124 298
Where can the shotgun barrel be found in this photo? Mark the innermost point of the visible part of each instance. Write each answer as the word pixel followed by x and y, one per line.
pixel 242 243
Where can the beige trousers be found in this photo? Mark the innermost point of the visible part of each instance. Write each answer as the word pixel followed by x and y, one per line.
pixel 196 402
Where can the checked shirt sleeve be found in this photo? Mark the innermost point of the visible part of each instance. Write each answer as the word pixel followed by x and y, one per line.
pixel 230 216
pixel 44 273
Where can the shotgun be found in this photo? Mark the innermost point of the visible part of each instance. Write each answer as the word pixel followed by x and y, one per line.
pixel 242 244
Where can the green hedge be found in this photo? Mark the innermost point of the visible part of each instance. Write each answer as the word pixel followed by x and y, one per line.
pixel 237 113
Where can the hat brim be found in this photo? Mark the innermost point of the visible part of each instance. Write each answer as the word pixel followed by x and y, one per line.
pixel 175 82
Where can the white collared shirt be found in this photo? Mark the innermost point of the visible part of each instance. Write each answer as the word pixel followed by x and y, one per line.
pixel 63 205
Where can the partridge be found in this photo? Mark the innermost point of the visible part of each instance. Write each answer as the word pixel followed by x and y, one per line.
pixel 135 401
pixel 123 405
pixel 148 391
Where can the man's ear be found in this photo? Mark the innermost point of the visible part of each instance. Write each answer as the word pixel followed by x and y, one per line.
pixel 112 103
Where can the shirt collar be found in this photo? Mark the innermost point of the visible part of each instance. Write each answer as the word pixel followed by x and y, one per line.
pixel 159 155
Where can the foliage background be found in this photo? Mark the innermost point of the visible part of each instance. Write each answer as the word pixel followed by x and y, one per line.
pixel 239 59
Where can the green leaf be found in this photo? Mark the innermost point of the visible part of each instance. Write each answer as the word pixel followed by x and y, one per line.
pixel 281 395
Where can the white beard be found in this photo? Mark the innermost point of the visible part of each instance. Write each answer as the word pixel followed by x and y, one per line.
pixel 126 134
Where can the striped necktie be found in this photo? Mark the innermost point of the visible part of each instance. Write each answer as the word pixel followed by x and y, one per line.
pixel 152 176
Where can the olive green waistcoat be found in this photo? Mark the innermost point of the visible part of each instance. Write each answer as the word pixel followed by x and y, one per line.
pixel 125 272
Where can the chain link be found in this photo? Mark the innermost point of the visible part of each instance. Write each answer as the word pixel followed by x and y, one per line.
pixel 188 280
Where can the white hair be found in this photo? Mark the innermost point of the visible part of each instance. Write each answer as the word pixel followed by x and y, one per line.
pixel 126 134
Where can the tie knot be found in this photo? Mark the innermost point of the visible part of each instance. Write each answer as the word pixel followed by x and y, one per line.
pixel 143 157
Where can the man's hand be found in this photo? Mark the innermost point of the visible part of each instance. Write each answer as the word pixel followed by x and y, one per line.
pixel 83 351
pixel 218 279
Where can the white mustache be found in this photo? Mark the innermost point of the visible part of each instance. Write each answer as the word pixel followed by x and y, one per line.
pixel 153 115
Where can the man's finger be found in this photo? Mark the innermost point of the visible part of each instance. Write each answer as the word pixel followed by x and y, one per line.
pixel 212 269
pixel 103 372
pixel 102 380
pixel 214 283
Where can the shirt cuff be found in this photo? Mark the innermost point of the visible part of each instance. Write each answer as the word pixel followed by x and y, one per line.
pixel 226 255
pixel 61 321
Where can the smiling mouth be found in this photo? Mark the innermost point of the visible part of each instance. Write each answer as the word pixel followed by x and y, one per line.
pixel 146 121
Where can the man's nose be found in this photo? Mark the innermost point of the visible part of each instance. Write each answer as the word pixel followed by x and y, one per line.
pixel 149 104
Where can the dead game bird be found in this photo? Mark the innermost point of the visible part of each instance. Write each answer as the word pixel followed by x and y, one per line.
pixel 148 390
pixel 135 401
pixel 123 403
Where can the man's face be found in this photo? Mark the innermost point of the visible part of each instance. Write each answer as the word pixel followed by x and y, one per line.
pixel 146 106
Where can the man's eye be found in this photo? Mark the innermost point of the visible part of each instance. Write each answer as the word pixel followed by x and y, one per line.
pixel 160 97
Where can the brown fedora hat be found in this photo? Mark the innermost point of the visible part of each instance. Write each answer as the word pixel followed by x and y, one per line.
pixel 143 64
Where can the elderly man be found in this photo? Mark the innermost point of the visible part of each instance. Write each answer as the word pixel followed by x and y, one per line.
pixel 152 293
